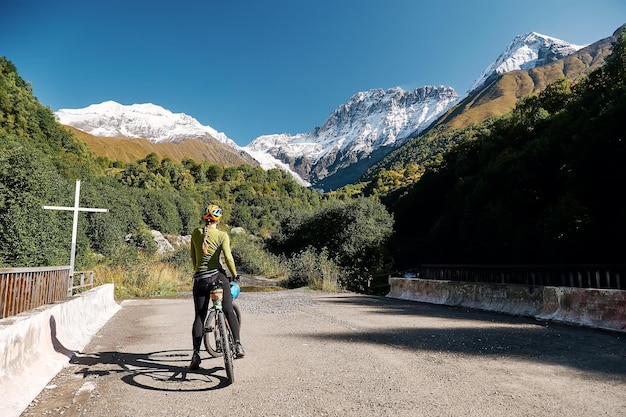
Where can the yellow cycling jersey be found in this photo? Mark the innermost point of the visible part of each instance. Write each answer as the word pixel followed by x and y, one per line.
pixel 218 242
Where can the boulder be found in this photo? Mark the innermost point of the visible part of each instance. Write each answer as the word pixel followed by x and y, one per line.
pixel 163 245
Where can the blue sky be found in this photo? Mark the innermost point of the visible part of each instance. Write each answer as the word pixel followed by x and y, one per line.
pixel 249 68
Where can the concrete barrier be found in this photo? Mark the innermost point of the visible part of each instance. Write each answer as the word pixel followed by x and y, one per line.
pixel 597 308
pixel 36 345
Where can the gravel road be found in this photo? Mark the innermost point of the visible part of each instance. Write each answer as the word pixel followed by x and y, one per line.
pixel 342 354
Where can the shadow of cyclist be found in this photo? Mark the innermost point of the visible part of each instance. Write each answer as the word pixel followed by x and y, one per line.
pixel 160 371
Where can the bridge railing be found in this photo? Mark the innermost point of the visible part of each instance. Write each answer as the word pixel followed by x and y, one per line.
pixel 22 289
pixel 580 276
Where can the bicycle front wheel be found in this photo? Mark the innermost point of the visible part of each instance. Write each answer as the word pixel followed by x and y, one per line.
pixel 227 345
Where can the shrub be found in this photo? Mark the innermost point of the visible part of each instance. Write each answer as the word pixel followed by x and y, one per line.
pixel 353 235
pixel 313 269
pixel 251 256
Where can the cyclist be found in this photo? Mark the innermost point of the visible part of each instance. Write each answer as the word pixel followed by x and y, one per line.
pixel 207 243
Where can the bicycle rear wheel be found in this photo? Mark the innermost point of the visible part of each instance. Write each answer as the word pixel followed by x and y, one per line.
pixel 211 336
pixel 227 345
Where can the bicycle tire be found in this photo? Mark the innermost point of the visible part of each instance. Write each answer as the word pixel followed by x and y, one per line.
pixel 212 342
pixel 227 344
pixel 211 336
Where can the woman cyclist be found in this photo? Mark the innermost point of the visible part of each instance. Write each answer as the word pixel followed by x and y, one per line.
pixel 207 243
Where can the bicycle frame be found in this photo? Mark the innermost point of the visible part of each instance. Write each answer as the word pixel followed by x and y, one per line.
pixel 222 333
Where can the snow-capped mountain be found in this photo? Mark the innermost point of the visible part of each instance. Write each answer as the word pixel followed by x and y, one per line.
pixel 375 122
pixel 147 121
pixel 355 136
pixel 526 52
pixel 155 124
pixel 368 122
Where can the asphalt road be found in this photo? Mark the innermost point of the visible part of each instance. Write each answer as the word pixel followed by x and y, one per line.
pixel 319 354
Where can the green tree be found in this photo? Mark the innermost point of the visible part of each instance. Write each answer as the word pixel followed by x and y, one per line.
pixel 152 161
pixel 354 233
pixel 160 211
pixel 214 173
pixel 32 236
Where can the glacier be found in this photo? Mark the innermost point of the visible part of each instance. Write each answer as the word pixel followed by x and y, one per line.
pixel 148 121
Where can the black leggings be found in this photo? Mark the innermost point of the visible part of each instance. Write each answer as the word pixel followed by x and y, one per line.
pixel 201 300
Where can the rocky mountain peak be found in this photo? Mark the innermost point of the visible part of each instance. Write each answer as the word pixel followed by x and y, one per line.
pixel 354 131
pixel 525 52
pixel 146 121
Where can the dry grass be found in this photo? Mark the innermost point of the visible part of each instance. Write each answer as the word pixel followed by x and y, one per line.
pixel 147 280
pixel 128 150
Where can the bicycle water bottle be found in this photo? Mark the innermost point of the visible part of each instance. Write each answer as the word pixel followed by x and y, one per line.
pixel 216 296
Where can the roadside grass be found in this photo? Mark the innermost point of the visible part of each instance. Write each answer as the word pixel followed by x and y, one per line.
pixel 144 280
pixel 170 275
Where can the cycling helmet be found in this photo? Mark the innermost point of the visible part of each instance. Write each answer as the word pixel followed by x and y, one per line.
pixel 234 289
pixel 212 213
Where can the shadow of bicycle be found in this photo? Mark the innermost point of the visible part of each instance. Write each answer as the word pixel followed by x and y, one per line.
pixel 165 370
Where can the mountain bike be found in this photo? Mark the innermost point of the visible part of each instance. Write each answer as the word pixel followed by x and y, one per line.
pixel 217 336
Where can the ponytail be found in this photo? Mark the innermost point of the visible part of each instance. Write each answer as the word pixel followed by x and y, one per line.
pixel 205 233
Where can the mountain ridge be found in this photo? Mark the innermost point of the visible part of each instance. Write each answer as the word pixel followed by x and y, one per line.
pixel 499 95
pixel 525 52
pixel 354 131
pixel 131 149
pixel 493 100
pixel 356 134
pixel 139 121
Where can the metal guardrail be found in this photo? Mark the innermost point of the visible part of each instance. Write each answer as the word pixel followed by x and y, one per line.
pixel 22 289
pixel 579 276
pixel 82 279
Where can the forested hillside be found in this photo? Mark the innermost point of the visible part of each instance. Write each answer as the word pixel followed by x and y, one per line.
pixel 542 184
pixel 406 164
pixel 40 161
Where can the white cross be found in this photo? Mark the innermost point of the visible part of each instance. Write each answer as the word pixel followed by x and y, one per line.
pixel 75 209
